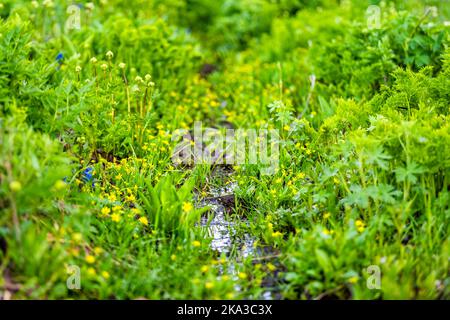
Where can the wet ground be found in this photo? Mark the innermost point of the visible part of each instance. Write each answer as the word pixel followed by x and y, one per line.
pixel 222 227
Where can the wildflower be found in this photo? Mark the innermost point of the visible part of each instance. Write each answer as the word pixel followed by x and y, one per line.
pixel 148 77
pixel 242 275
pixel 277 234
pixel 286 128
pixel 230 295
pixel 59 57
pixel 105 211
pixel 15 186
pixel 93 60
pixel 326 215
pixel 196 243
pixel 225 277
pixel 271 267
pixel 109 55
pixel 112 197
pixel 91 272
pixel 98 250
pixel 117 208
pixel 77 237
pixel 353 279
pixel 119 177
pixel 209 285
pixel 360 226
pixel 187 206
pixel 115 217
pixel 151 84
pixel 131 198
pixel 77 69
pixel 87 174
pixel 104 66
pixel 122 65
pixel 35 4
pixel 60 185
pixel 204 269
pixel 105 274
pixel 138 79
pixel 173 257
pixel 90 259
pixel 144 221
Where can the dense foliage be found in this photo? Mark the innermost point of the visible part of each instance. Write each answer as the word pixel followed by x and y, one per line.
pixel 87 114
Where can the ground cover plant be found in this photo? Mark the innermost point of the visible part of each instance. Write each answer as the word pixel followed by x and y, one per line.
pixel 98 98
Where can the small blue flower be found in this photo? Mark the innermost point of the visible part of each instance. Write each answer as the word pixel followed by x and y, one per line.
pixel 60 57
pixel 87 176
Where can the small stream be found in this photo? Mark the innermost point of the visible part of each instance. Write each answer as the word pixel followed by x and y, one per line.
pixel 222 228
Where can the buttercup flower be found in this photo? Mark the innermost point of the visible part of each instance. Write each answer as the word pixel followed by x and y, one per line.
pixel 187 206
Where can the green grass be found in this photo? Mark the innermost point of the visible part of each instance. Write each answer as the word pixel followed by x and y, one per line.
pixel 87 118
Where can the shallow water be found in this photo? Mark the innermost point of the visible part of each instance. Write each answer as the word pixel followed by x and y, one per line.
pixel 225 240
pixel 222 229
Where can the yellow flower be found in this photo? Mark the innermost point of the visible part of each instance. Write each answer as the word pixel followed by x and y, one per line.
pixel 271 267
pixel 105 274
pixel 187 206
pixel 77 237
pixel 119 177
pixel 326 215
pixel 173 257
pixel 131 198
pixel 277 234
pixel 225 278
pixel 144 221
pixel 360 225
pixel 230 295
pixel 242 275
pixel 91 272
pixel 15 186
pixel 105 211
pixel 115 217
pixel 117 208
pixel 204 269
pixel 353 280
pixel 98 250
pixel 196 243
pixel 209 285
pixel 90 259
pixel 60 185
